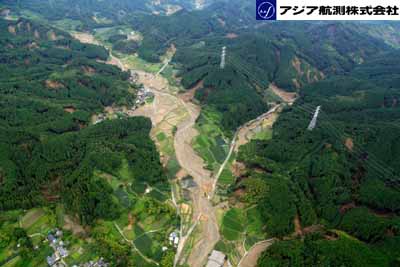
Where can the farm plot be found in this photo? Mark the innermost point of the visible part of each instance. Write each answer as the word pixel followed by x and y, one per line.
pixel 233 224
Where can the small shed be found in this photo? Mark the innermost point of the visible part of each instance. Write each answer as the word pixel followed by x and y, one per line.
pixel 216 259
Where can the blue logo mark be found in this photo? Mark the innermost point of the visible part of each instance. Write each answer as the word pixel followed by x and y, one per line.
pixel 266 10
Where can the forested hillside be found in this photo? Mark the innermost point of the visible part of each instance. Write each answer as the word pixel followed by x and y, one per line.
pixel 289 55
pixel 342 175
pixel 329 196
pixel 50 86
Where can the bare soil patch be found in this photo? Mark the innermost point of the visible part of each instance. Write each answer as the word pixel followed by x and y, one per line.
pixel 53 84
pixel 185 209
pixel 232 36
pixel 86 38
pixel 36 34
pixel 250 260
pixel 69 109
pixel 131 220
pixel 12 30
pixel 88 70
pixel 238 169
pixel 297 225
pixel 189 94
pixel 52 36
pixel 73 226
pixel 172 9
pixel 346 207
pixel 349 144
pixel 296 83
pixel 288 97
pixel 296 63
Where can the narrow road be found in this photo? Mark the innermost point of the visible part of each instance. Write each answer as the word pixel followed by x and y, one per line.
pixel 234 143
pixel 232 147
pixel 134 246
pixel 164 66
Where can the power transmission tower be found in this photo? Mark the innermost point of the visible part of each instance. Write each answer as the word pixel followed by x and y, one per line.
pixel 223 55
pixel 313 121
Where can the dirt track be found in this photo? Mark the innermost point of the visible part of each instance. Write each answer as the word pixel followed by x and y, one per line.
pixel 251 257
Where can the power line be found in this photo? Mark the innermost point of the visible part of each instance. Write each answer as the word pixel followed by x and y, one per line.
pixel 373 162
pixel 342 133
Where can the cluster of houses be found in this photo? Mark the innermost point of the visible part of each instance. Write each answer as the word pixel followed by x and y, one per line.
pixel 174 239
pixel 142 95
pixel 100 117
pixel 60 251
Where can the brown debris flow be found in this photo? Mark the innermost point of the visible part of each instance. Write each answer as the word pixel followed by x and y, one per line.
pixel 288 97
pixel 53 84
pixel 232 35
pixel 70 109
pixel 297 225
pixel 349 144
pixel 12 30
pixel 346 207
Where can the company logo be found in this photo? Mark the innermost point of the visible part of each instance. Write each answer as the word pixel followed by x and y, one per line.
pixel 266 10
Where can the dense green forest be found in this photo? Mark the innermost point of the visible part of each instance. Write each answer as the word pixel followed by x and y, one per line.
pixel 337 187
pixel 342 175
pixel 286 54
pixel 50 85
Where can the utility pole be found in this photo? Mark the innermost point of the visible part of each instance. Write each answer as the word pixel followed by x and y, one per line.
pixel 313 121
pixel 223 54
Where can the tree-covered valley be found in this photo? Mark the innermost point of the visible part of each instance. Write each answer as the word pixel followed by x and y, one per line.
pixel 323 197
pixel 53 156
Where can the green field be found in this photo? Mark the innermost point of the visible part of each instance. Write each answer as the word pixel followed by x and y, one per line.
pixel 103 34
pixel 239 228
pixel 226 178
pixel 210 144
pixel 230 249
pixel 265 134
pixel 147 218
pixel 134 62
pixel 232 224
pixel 169 73
pixel 38 223
pixel 68 24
